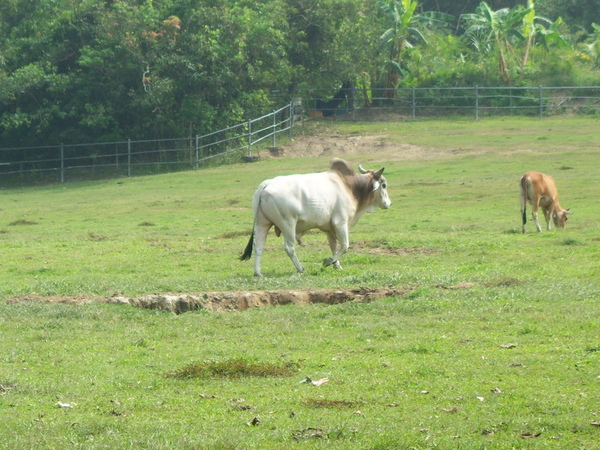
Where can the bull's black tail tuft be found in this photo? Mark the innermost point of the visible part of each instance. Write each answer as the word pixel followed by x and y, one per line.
pixel 524 198
pixel 248 251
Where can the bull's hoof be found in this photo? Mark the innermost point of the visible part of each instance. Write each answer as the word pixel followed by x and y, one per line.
pixel 331 262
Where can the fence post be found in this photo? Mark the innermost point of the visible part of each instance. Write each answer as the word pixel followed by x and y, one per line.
pixel 62 163
pixel 541 102
pixel 414 103
pixel 128 157
pixel 197 152
pixel 291 119
pixel 476 102
pixel 353 106
pixel 249 136
pixel 274 129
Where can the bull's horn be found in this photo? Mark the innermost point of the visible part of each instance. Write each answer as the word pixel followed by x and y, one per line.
pixel 379 172
pixel 361 170
pixel 567 211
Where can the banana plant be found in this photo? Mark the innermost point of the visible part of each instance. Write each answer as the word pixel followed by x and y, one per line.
pixel 404 30
pixel 541 30
pixel 497 30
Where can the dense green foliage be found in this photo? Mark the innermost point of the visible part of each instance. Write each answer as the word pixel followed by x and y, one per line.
pixel 91 70
pixel 495 345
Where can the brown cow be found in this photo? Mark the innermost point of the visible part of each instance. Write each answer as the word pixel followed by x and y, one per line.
pixel 540 190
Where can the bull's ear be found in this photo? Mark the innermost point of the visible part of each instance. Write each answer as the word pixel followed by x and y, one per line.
pixel 361 170
pixel 376 185
pixel 567 211
pixel 378 174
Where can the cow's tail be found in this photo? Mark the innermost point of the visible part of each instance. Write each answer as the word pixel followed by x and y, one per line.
pixel 248 251
pixel 255 205
pixel 524 198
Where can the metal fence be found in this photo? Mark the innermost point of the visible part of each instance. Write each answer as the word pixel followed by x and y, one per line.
pixel 85 161
pixel 476 101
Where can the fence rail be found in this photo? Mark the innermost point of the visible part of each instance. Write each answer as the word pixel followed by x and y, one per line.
pixel 123 157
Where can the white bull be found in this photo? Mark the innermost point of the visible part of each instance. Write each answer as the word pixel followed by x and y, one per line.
pixel 331 201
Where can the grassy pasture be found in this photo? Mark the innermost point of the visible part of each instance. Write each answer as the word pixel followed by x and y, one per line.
pixel 496 346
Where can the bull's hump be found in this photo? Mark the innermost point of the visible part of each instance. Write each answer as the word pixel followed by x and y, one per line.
pixel 341 167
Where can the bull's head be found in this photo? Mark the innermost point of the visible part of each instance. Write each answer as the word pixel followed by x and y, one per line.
pixel 379 186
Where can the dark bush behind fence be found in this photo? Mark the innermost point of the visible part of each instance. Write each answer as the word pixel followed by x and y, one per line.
pixel 87 161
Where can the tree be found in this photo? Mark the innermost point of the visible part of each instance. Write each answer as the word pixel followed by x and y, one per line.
pixel 404 30
pixel 579 15
pixel 590 48
pixel 95 70
pixel 326 47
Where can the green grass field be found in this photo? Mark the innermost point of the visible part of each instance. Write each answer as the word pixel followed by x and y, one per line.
pixel 496 345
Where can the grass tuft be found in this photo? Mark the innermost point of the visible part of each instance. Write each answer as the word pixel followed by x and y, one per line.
pixel 504 282
pixel 570 241
pixel 234 368
pixel 94 237
pixel 15 223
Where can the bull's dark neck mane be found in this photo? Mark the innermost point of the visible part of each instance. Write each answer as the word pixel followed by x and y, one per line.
pixel 361 186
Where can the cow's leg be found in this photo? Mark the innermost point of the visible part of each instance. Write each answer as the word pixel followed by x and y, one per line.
pixel 333 245
pixel 548 217
pixel 341 234
pixel 289 244
pixel 535 219
pixel 260 237
pixel 534 214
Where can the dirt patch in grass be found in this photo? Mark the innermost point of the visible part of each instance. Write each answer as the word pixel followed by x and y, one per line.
pixel 324 403
pixel 317 139
pixel 343 146
pixel 384 249
pixel 242 300
pixel 229 300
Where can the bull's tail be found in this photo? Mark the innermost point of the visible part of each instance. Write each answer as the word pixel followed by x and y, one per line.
pixel 255 205
pixel 248 251
pixel 524 198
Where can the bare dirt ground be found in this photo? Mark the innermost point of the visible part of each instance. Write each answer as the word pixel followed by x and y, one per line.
pixel 229 300
pixel 315 140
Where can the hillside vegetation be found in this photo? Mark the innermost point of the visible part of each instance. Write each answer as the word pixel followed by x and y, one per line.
pixel 105 71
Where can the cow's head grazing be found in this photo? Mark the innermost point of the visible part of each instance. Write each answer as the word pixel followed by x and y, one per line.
pixel 379 184
pixel 560 217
